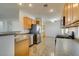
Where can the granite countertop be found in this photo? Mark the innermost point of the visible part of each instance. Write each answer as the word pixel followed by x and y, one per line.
pixel 63 36
pixel 7 33
pixel 12 33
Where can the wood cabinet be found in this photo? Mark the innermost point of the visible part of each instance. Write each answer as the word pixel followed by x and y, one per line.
pixel 66 13
pixel 33 21
pixel 71 13
pixel 75 11
pixel 22 48
pixel 27 22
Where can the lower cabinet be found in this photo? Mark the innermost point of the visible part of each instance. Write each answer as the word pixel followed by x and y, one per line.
pixel 22 48
pixel 67 47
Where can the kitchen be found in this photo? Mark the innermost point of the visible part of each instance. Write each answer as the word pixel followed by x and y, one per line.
pixel 55 19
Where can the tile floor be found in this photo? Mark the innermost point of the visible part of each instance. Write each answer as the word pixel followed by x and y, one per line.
pixel 64 47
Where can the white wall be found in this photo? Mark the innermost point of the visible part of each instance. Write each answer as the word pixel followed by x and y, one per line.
pixel 52 29
pixel 16 26
pixel 23 13
pixel 11 25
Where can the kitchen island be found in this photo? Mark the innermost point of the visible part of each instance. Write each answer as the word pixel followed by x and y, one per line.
pixel 7 44
pixel 12 42
pixel 67 47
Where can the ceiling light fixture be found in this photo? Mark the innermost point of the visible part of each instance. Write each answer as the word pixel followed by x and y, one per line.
pixel 30 5
pixel 69 6
pixel 54 20
pixel 20 4
pixel 75 5
pixel 51 10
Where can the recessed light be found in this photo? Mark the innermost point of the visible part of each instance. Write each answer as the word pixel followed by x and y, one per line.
pixel 30 5
pixel 20 4
pixel 51 10
pixel 54 20
pixel 75 5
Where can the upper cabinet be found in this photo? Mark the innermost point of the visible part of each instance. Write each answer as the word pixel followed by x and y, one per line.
pixel 75 11
pixel 33 21
pixel 71 13
pixel 66 13
pixel 27 22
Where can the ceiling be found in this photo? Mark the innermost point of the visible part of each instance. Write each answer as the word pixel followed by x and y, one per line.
pixel 38 10
pixel 11 10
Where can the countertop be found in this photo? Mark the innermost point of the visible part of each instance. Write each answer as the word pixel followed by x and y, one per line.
pixel 7 33
pixel 63 36
pixel 12 33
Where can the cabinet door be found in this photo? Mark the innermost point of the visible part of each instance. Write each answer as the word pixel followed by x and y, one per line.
pixel 66 13
pixel 27 22
pixel 22 48
pixel 69 13
pixel 33 21
pixel 75 12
